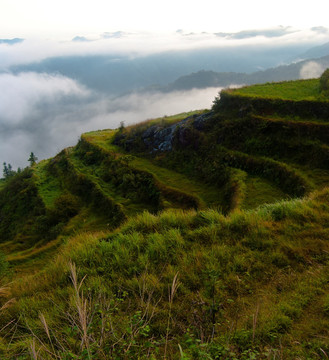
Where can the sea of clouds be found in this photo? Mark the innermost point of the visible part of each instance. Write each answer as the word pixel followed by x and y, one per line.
pixel 44 113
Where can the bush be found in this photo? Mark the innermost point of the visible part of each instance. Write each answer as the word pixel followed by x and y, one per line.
pixel 324 82
pixel 66 206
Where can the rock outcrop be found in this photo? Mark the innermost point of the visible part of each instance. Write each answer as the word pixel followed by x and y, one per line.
pixel 158 138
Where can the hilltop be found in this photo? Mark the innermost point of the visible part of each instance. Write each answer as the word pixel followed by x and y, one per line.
pixel 202 235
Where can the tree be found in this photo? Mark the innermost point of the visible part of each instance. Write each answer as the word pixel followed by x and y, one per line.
pixel 7 170
pixel 122 126
pixel 32 159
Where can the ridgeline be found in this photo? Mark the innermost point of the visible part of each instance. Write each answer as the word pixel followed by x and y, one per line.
pixel 203 235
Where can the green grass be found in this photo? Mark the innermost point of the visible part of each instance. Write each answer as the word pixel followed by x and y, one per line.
pixel 2 184
pixel 318 177
pixel 163 121
pixel 261 191
pixel 209 195
pixel 102 138
pixel 288 90
pixel 109 190
pixel 291 119
pixel 49 186
pixel 265 270
pixel 175 282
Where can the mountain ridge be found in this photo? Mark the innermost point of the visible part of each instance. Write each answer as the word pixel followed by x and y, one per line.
pixel 204 78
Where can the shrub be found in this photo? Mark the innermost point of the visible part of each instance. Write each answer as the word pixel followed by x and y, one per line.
pixel 19 203
pixel 66 206
pixel 324 82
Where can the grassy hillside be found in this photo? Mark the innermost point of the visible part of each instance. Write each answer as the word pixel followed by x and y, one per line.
pixel 199 236
pixel 287 90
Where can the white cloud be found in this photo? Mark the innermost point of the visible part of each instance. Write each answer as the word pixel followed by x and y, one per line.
pixel 44 114
pixel 21 93
pixel 143 43
pixel 311 70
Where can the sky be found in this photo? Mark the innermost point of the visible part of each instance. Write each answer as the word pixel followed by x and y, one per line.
pixel 66 18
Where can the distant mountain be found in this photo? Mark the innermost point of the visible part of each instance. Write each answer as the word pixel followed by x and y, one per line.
pixel 204 79
pixel 11 41
pixel 316 52
pixel 80 39
pixel 117 74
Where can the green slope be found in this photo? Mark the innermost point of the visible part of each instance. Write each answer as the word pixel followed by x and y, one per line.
pixel 206 195
pixel 217 249
pixel 263 272
pixel 287 90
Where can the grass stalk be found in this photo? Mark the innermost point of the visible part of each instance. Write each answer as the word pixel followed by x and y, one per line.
pixel 254 323
pixel 172 291
pixel 82 308
pixel 34 353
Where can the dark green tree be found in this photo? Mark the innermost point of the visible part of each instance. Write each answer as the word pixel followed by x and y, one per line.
pixel 32 159
pixel 122 127
pixel 7 170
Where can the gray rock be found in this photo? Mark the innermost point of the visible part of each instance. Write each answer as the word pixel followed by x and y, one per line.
pixel 201 120
pixel 162 139
pixel 149 132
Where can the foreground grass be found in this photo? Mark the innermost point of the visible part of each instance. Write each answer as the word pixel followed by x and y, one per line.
pixel 250 285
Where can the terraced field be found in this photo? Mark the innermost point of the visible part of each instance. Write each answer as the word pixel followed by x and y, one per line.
pixel 260 128
pixel 228 209
pixel 205 196
pixel 268 157
pixel 281 154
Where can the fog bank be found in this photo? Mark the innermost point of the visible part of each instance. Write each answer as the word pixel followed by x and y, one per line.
pixel 45 113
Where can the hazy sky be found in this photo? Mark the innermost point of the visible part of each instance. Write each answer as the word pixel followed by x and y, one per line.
pixel 66 18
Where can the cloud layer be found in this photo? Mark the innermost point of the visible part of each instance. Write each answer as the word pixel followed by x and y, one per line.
pixel 43 113
pixel 21 94
pixel 267 33
pixel 137 44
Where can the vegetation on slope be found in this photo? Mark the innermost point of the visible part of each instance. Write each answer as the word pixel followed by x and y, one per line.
pixel 253 284
pixel 210 271
pixel 324 83
pixel 287 90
